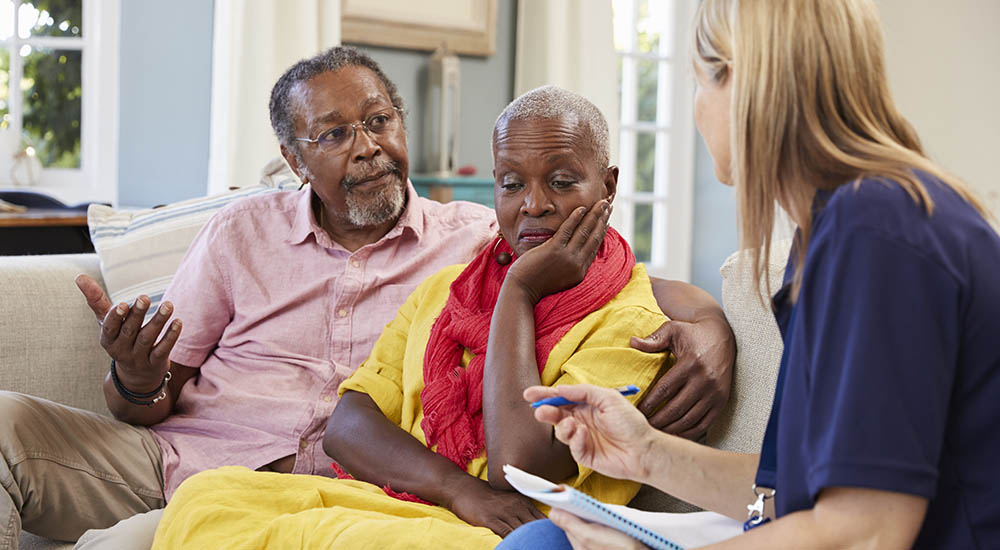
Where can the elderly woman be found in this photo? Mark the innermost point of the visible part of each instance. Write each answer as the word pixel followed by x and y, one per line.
pixel 553 300
pixel 883 428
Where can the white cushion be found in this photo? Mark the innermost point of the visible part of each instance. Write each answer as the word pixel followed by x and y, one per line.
pixel 758 356
pixel 140 250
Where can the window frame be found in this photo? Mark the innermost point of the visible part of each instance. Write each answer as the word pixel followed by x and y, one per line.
pixel 673 173
pixel 96 180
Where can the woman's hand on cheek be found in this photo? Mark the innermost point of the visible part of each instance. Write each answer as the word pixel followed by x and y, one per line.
pixel 562 261
pixel 584 535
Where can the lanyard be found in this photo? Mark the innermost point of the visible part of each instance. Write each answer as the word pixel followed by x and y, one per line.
pixel 767 468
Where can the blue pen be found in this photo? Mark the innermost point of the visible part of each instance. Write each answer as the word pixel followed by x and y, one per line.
pixel 562 401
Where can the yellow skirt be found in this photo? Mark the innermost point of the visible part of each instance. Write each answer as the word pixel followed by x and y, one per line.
pixel 234 507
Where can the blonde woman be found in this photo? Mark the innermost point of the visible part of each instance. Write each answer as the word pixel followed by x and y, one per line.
pixel 883 429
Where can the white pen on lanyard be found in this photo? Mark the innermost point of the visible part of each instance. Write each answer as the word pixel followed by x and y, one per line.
pixel 561 401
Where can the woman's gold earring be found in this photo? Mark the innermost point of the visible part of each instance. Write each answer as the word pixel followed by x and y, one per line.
pixel 503 258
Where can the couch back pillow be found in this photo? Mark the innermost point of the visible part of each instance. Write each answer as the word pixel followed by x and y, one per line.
pixel 141 249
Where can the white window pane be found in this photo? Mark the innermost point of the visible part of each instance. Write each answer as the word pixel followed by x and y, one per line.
pixel 648 27
pixel 52 107
pixel 4 89
pixel 648 71
pixel 663 164
pixel 623 26
pixel 655 27
pixel 665 86
pixel 50 18
pixel 642 236
pixel 645 161
pixel 6 19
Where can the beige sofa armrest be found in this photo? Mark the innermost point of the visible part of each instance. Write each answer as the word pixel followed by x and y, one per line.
pixel 741 426
pixel 48 336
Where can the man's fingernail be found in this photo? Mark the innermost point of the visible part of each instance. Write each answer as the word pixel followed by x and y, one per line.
pixel 164 309
pixel 121 309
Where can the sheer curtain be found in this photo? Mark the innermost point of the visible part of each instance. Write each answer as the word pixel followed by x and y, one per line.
pixel 254 42
pixel 569 43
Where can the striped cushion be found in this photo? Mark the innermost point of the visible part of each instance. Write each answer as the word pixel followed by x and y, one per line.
pixel 141 249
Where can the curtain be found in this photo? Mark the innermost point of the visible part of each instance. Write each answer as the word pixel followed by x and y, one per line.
pixel 254 42
pixel 569 43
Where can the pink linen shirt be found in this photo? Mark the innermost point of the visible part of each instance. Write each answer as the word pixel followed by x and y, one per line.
pixel 276 315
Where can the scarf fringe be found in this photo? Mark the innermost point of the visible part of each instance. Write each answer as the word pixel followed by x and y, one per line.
pixel 408 497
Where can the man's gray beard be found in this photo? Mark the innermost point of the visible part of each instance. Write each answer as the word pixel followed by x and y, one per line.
pixel 370 208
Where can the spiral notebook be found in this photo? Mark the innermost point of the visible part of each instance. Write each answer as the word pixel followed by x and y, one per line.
pixel 660 531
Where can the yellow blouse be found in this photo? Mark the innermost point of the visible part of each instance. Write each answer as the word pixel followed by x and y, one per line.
pixel 595 351
pixel 234 507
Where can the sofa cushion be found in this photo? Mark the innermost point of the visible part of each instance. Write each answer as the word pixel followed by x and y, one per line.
pixel 141 249
pixel 758 356
pixel 740 428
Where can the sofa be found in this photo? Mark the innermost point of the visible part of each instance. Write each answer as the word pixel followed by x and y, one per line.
pixel 49 348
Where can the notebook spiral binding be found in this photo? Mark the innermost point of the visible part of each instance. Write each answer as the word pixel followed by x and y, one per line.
pixel 627 526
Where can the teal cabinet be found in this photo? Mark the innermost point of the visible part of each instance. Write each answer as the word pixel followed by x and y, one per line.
pixel 456 188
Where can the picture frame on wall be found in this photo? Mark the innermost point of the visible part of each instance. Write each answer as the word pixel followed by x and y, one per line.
pixel 463 26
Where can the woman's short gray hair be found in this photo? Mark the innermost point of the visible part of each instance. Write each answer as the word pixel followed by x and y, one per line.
pixel 555 102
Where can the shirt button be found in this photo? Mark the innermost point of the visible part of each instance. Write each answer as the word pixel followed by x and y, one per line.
pixel 342 313
pixel 327 398
pixel 355 263
pixel 303 443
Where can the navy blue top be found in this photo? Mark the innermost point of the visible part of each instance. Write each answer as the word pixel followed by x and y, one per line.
pixel 891 368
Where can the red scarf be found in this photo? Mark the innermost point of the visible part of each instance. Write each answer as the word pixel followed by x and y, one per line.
pixel 452 397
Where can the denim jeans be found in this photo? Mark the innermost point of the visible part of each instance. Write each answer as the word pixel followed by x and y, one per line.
pixel 541 534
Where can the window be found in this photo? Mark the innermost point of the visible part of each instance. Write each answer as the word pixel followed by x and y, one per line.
pixel 656 134
pixel 58 97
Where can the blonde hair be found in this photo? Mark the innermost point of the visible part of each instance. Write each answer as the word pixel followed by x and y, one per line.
pixel 810 110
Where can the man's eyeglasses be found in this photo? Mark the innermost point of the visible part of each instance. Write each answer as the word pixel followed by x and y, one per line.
pixel 338 139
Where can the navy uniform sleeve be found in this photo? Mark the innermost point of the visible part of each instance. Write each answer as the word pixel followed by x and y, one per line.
pixel 879 336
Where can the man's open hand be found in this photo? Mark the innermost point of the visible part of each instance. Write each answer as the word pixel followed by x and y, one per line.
pixel 141 361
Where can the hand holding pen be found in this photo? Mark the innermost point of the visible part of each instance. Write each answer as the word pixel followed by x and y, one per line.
pixel 560 401
pixel 606 436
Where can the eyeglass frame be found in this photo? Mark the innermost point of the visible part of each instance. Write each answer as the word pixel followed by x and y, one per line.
pixel 354 128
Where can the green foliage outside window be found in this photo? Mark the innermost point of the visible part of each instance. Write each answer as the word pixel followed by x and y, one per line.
pixel 52 87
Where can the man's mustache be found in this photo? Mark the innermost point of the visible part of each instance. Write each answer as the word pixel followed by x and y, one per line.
pixel 375 169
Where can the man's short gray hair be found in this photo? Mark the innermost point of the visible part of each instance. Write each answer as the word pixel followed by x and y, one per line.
pixel 282 111
pixel 548 102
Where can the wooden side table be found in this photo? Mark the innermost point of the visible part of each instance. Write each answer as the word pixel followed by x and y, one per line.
pixel 44 231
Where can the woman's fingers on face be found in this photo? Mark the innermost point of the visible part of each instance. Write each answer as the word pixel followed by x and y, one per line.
pixel 591 231
pixel 570 225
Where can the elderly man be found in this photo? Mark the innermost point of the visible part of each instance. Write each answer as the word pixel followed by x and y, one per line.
pixel 281 297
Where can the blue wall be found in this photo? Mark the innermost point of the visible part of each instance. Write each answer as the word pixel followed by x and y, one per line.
pixel 165 100
pixel 715 231
pixel 487 86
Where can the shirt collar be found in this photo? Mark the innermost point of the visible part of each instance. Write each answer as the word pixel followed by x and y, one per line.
pixel 305 224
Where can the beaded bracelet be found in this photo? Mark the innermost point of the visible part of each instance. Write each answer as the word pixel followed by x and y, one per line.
pixel 147 399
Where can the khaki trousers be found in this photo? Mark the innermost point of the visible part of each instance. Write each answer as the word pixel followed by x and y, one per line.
pixel 66 470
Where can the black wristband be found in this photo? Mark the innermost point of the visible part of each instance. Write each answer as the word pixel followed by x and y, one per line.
pixel 147 399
